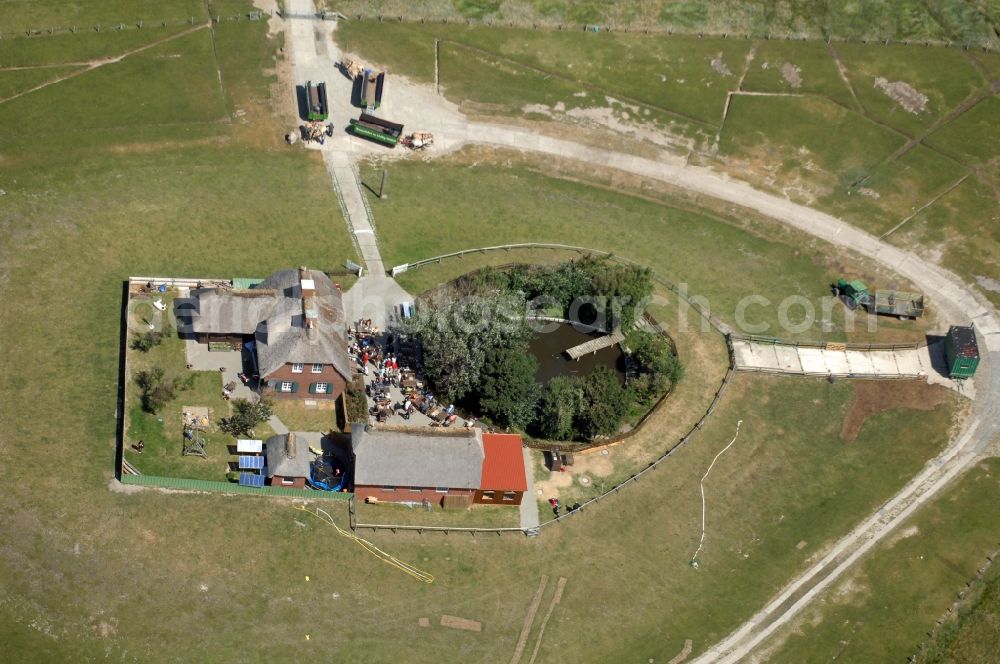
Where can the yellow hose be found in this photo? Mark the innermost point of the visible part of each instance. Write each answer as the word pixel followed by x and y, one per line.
pixel 322 515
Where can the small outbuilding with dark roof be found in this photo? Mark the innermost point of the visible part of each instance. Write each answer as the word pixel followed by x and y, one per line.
pixel 288 460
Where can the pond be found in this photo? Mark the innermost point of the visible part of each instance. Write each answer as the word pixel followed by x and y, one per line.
pixel 549 348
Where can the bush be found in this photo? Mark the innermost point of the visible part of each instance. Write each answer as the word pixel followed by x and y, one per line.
pixel 157 389
pixel 147 341
pixel 246 415
pixel 607 403
pixel 562 403
pixel 658 365
pixel 356 401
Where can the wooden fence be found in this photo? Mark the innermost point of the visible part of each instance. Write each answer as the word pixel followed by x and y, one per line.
pixel 986 44
pixel 131 24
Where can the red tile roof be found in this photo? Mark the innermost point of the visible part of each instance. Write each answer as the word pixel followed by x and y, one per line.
pixel 503 467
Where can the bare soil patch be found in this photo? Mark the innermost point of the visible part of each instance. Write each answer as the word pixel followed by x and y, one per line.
pixel 720 67
pixel 904 94
pixel 792 75
pixel 872 397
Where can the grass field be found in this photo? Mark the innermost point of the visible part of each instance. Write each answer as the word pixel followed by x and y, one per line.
pixel 87 572
pixel 505 70
pixel 40 14
pixel 818 146
pixel 811 71
pixel 961 230
pixel 944 76
pixel 186 62
pixel 514 204
pixel 969 634
pixel 905 19
pixel 478 516
pixel 973 137
pixel 778 136
pixel 879 612
pixel 18 81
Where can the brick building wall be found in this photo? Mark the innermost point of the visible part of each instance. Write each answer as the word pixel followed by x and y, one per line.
pixel 305 379
pixel 294 482
pixel 408 494
pixel 498 497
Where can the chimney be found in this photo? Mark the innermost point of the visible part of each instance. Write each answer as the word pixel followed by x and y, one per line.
pixel 306 282
pixel 290 448
pixel 310 310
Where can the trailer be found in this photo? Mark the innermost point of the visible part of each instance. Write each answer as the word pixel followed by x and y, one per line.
pixel 902 304
pixel 318 108
pixel 897 303
pixel 961 351
pixel 371 88
pixel 377 129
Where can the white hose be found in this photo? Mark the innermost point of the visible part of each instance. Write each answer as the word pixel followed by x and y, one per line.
pixel 694 558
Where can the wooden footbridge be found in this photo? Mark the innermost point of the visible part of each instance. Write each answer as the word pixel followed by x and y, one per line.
pixel 594 345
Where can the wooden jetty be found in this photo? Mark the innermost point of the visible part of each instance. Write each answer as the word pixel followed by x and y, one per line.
pixel 594 345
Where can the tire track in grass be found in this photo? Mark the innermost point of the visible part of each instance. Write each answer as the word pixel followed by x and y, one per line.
pixel 100 62
pixel 529 619
pixel 556 598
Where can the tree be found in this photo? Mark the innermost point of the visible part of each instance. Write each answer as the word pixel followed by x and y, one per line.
pixel 607 402
pixel 627 288
pixel 562 403
pixel 456 335
pixel 508 391
pixel 157 389
pixel 246 415
pixel 658 365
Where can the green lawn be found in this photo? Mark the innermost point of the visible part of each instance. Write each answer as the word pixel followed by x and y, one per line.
pixel 944 76
pixel 297 417
pixel 961 230
pixel 477 516
pixel 58 13
pixel 811 145
pixel 162 432
pixel 951 20
pixel 811 62
pixel 88 572
pixel 18 81
pixel 974 137
pixel 882 609
pixel 112 97
pixel 514 204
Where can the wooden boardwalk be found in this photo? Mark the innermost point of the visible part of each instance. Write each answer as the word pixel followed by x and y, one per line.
pixel 594 345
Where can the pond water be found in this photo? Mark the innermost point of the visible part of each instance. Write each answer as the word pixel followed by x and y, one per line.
pixel 549 348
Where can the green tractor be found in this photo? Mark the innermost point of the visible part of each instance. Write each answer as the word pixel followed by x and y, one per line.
pixel 902 304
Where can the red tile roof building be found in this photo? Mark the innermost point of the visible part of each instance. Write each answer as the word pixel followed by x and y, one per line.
pixel 503 480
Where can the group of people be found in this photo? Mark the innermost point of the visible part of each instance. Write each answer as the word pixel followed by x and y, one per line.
pixel 373 355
